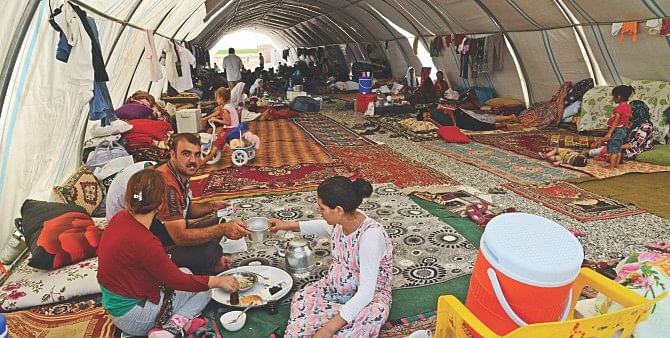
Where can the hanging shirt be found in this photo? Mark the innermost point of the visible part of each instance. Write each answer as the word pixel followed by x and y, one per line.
pixel 155 72
pixel 184 82
pixel 631 28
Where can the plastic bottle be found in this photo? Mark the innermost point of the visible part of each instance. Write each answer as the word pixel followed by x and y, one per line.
pixel 290 86
pixel 4 333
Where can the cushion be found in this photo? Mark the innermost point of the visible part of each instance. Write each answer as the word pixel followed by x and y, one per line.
pixel 131 111
pixel 505 102
pixel 417 126
pixel 82 189
pixel 28 287
pixel 452 134
pixel 57 234
pixel 659 155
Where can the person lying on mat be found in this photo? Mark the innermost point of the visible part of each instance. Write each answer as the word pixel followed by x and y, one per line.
pixel 191 232
pixel 354 299
pixel 144 292
pixel 558 156
pixel 466 119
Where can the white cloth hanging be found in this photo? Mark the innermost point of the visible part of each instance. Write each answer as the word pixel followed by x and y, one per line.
pixel 184 82
pixel 155 72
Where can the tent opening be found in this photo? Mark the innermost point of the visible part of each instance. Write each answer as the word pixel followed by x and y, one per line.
pixel 248 45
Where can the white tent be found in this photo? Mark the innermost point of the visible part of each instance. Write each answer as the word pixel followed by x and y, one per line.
pixel 45 102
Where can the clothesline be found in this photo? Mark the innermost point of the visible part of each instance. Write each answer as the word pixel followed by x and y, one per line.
pixel 122 22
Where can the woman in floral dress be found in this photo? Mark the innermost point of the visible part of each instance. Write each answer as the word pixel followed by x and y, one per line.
pixel 354 299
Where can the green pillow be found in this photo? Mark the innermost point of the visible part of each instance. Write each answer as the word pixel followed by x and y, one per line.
pixel 659 155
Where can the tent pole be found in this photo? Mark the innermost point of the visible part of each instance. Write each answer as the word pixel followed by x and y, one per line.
pixel 15 47
pixel 123 28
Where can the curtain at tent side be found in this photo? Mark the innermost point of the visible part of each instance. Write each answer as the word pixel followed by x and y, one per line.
pixel 554 56
pixel 48 105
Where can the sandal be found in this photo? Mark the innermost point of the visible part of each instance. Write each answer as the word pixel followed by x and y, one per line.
pixel 497 190
pixel 475 215
pixel 662 247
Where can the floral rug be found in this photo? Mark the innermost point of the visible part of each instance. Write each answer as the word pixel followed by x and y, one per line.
pixel 506 164
pixel 426 250
pixel 282 143
pixel 403 327
pixel 247 181
pixel 392 124
pixel 77 318
pixel 329 132
pixel 380 164
pixel 530 144
pixel 573 201
pixel 455 199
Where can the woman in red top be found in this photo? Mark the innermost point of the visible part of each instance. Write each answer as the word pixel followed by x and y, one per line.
pixel 136 276
pixel 441 85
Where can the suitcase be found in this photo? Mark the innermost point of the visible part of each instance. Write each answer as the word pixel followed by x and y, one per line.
pixel 305 104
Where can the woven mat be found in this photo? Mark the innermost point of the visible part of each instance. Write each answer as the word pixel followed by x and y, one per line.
pixel 329 132
pixel 403 327
pixel 392 124
pixel 598 168
pixel 282 143
pixel 249 181
pixel 426 250
pixel 573 201
pixel 380 164
pixel 81 318
pixel 506 164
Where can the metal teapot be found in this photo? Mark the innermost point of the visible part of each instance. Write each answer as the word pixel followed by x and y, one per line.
pixel 299 256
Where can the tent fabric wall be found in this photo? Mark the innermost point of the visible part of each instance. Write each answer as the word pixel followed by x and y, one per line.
pixel 554 57
pixel 11 15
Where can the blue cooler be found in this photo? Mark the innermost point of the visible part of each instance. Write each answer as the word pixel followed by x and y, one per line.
pixel 365 83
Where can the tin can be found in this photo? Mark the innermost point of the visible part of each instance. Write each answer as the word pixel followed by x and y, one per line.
pixel 13 248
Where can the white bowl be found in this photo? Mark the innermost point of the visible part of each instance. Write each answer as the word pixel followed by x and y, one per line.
pixel 236 325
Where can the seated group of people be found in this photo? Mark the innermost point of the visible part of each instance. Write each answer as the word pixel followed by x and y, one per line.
pixel 151 214
pixel 426 91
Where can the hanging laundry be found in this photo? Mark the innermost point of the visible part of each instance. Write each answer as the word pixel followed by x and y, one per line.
pixel 438 45
pixel 184 80
pixel 447 40
pixel 631 28
pixel 386 44
pixel 616 28
pixel 654 26
pixel 458 39
pixel 431 48
pixel 415 45
pixel 665 27
pixel 495 47
pixel 155 72
pixel 98 63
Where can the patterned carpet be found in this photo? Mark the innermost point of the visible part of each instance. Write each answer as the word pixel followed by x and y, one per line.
pixel 380 164
pixel 598 169
pixel 75 318
pixel 403 327
pixel 247 181
pixel 505 164
pixel 328 132
pixel 528 144
pixel 392 124
pixel 282 143
pixel 426 250
pixel 573 201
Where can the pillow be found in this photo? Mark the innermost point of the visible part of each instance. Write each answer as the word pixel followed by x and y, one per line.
pixel 131 111
pixel 659 155
pixel 28 287
pixel 501 101
pixel 452 134
pixel 57 234
pixel 417 126
pixel 82 189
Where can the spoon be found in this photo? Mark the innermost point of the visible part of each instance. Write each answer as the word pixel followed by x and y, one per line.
pixel 240 315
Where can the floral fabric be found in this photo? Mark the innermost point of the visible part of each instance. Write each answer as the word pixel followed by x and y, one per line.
pixel 597 106
pixel 317 303
pixel 648 274
pixel 27 287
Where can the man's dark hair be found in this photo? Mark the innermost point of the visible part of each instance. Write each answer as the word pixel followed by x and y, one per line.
pixel 187 137
pixel 231 50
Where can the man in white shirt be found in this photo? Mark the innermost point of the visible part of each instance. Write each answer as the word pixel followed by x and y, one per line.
pixel 232 65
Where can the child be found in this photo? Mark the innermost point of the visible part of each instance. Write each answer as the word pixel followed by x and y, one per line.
pixel 563 155
pixel 354 299
pixel 618 122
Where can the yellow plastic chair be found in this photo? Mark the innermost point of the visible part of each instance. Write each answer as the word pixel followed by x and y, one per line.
pixel 452 315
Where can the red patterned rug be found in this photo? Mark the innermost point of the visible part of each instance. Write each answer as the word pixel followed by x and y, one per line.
pixel 380 164
pixel 573 201
pixel 403 327
pixel 249 181
pixel 329 132
pixel 531 143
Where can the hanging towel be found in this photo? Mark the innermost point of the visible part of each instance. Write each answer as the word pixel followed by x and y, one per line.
pixel 665 27
pixel 616 28
pixel 631 28
pixel 447 40
pixel 155 72
pixel 415 45
pixel 438 45
pixel 654 26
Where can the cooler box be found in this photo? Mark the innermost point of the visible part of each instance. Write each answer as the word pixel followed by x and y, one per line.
pixel 524 272
pixel 290 95
pixel 365 83
pixel 362 101
pixel 188 120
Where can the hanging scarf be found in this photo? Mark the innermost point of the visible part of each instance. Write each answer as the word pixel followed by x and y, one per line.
pixel 411 77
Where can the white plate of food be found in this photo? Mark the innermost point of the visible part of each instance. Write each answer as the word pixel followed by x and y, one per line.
pixel 270 284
